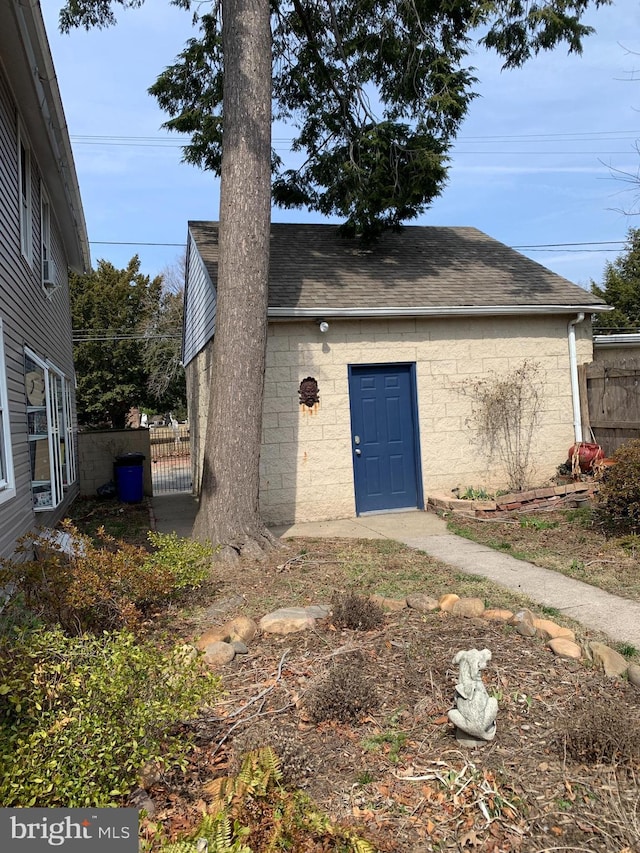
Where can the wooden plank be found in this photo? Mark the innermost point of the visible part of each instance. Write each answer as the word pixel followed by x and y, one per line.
pixel 584 397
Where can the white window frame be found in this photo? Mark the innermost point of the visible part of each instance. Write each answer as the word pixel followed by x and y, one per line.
pixel 24 196
pixel 55 413
pixel 7 477
pixel 49 283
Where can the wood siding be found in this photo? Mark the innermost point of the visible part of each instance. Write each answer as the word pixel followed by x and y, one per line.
pixel 613 401
pixel 30 318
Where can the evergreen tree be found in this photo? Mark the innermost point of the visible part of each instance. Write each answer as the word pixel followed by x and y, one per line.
pixel 621 289
pixel 108 307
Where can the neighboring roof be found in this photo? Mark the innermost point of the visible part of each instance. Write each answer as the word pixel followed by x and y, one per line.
pixel 419 270
pixel 27 62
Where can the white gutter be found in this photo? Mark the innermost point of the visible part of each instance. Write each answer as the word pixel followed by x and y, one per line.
pixel 627 339
pixel 573 372
pixel 435 311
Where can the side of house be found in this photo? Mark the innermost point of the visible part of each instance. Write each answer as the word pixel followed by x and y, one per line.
pixel 43 234
pixel 370 358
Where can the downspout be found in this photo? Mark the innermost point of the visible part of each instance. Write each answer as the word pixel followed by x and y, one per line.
pixel 573 371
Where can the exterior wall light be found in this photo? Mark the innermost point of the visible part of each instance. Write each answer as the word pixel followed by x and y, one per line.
pixel 323 325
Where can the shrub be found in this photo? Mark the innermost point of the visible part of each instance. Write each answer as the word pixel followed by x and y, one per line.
pixel 355 612
pixel 344 693
pixel 79 716
pixel 618 502
pixel 604 733
pixel 105 586
pixel 505 413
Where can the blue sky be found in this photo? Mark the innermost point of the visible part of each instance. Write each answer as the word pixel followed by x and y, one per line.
pixel 532 166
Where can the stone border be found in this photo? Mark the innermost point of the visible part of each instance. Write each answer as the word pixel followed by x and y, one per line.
pixel 548 497
pixel 221 644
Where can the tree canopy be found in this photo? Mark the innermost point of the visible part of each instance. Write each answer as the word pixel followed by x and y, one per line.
pixel 621 289
pixel 374 91
pixel 123 354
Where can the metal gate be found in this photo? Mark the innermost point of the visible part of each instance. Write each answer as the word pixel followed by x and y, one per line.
pixel 170 459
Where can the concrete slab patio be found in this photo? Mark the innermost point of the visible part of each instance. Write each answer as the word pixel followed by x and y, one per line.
pixel 617 617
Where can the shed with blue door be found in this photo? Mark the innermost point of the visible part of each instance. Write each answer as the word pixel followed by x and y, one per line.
pixel 370 355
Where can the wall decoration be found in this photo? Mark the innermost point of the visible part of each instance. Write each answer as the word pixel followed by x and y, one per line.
pixel 309 392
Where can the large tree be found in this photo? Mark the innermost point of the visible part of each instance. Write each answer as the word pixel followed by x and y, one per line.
pixel 377 90
pixel 621 289
pixel 108 306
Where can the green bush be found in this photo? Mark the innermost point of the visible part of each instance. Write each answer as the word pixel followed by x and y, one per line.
pixel 187 560
pixel 104 586
pixel 618 504
pixel 79 716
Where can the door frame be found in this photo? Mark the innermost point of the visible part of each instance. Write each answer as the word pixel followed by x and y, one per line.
pixel 413 402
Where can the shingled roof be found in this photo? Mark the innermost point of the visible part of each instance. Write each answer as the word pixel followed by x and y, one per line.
pixel 428 269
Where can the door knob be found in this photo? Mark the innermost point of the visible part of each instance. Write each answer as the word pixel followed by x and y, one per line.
pixel 358 451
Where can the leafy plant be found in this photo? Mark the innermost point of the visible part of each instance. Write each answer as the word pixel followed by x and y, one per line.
pixel 618 501
pixel 534 523
pixel 186 559
pixel 253 806
pixel 504 417
pixel 79 716
pixel 471 494
pixel 84 586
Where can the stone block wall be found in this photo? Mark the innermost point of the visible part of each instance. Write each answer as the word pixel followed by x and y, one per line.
pixel 306 463
pixel 97 452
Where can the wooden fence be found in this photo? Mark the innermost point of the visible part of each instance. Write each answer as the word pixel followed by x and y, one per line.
pixel 610 401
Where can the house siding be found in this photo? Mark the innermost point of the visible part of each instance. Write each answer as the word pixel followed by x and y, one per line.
pixel 200 306
pixel 30 318
pixel 306 461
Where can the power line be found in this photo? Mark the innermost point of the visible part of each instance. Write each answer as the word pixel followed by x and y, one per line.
pixel 531 246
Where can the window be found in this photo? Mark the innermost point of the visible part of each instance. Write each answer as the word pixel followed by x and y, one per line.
pixel 51 436
pixel 7 483
pixel 24 181
pixel 48 266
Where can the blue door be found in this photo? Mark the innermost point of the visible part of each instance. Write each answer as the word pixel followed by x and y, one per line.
pixel 384 437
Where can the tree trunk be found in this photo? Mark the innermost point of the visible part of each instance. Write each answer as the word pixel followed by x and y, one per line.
pixel 229 514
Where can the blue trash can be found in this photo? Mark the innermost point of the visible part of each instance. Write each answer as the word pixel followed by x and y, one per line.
pixel 129 477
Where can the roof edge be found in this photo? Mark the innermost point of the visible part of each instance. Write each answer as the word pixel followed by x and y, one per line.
pixel 437 311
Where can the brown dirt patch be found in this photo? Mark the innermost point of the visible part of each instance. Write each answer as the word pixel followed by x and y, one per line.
pixel 397 773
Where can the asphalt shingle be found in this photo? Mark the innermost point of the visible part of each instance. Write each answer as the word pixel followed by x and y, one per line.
pixel 314 267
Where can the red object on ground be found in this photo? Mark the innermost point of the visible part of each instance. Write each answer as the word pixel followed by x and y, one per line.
pixel 588 453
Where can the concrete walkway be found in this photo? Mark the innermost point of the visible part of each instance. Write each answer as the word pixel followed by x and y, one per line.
pixel 594 608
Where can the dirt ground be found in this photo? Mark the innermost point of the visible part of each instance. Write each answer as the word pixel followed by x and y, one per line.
pixel 397 771
pixel 560 774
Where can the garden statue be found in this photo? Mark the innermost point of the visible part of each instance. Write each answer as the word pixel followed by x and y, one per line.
pixel 475 712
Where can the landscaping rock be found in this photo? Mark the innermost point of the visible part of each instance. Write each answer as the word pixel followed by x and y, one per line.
pixel 564 648
pixel 633 674
pixel 218 654
pixel 548 630
pixel 421 601
pixel 319 611
pixel 468 607
pixel 522 621
pixel 219 634
pixel 608 660
pixel 388 604
pixel 287 620
pixel 447 601
pixel 497 614
pixel 241 628
pixel 239 647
